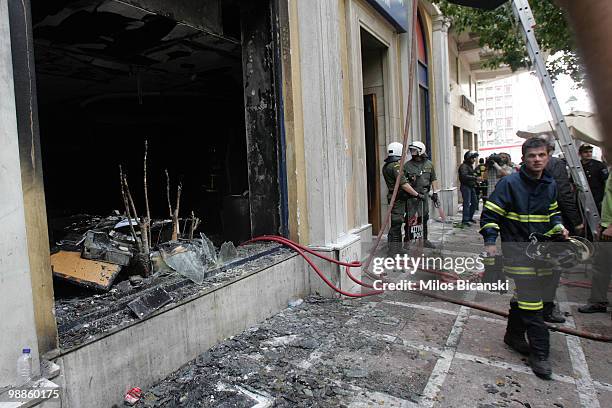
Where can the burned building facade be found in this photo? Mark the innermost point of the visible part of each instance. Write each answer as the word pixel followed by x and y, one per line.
pixel 274 115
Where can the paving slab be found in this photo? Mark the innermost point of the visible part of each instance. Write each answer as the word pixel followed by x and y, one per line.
pixel 485 339
pixel 471 384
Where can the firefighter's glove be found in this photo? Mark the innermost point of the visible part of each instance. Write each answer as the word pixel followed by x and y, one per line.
pixel 435 200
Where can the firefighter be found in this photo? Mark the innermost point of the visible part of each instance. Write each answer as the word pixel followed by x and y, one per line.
pixel 524 203
pixel 390 172
pixel 420 173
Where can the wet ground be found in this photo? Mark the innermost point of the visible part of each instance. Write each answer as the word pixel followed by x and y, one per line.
pixel 399 349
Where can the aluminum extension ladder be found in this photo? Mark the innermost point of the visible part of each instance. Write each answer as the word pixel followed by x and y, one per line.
pixel 522 12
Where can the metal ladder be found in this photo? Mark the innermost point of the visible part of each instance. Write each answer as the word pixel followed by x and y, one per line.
pixel 522 12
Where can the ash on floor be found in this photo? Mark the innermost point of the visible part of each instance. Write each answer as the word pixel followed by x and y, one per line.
pixel 312 355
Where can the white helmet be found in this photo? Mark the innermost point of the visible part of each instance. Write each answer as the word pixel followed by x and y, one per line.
pixel 418 146
pixel 395 149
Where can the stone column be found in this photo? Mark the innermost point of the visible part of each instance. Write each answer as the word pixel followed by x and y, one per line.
pixel 16 300
pixel 324 131
pixel 446 174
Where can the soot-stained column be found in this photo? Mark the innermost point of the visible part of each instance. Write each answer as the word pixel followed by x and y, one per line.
pixel 262 130
pixel 24 77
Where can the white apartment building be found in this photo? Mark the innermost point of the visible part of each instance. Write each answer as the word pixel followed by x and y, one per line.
pixel 499 117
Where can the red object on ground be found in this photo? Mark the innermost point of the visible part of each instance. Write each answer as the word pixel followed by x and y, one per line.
pixel 133 396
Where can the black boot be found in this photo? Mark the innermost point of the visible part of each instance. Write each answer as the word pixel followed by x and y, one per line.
pixel 406 245
pixel 540 365
pixel 515 332
pixel 594 308
pixel 539 342
pixel 395 248
pixel 517 343
pixel 551 314
pixel 428 244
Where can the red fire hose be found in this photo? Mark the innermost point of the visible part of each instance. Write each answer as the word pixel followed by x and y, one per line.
pixel 302 250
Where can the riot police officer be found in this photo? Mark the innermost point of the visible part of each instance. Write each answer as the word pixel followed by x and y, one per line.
pixel 420 173
pixel 390 172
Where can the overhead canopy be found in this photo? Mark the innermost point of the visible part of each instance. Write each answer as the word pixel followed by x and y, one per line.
pixel 481 4
pixel 583 126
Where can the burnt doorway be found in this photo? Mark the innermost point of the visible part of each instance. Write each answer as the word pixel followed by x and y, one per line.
pixel 372 163
pixel 373 55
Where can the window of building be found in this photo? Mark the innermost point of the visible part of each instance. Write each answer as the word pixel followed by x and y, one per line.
pixel 508 100
pixel 489 113
pixel 456 69
pixel 498 100
pixel 489 102
pixel 509 122
pixel 470 84
pixel 499 112
pixel 489 123
pixel 423 76
pixel 498 90
pixel 499 122
pixel 508 89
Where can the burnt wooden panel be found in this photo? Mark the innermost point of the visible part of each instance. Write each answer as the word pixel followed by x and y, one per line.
pixel 260 100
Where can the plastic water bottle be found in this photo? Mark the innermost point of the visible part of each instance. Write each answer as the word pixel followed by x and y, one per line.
pixel 24 367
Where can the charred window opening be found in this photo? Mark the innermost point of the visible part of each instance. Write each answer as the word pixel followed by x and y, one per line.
pixel 111 75
pixel 196 80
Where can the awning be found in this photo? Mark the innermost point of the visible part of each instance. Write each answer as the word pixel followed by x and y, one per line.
pixel 583 126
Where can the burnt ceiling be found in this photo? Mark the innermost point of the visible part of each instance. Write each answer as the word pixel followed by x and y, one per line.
pixel 85 49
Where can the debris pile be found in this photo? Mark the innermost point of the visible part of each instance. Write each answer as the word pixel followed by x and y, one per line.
pixel 94 252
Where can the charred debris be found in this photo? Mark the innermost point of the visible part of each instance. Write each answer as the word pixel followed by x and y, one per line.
pixel 98 252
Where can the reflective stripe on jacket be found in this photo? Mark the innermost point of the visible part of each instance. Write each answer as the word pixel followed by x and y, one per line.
pixel 519 206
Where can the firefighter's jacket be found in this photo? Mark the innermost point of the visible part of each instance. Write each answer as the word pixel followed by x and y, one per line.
pixel 519 206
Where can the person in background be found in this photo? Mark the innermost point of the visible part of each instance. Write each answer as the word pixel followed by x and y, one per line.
pixel 497 168
pixel 420 173
pixel 602 265
pixel 481 185
pixel 566 199
pixel 557 168
pixel 596 173
pixel 508 164
pixel 391 171
pixel 468 180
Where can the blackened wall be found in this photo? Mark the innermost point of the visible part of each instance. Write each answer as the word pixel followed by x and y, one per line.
pixel 261 107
